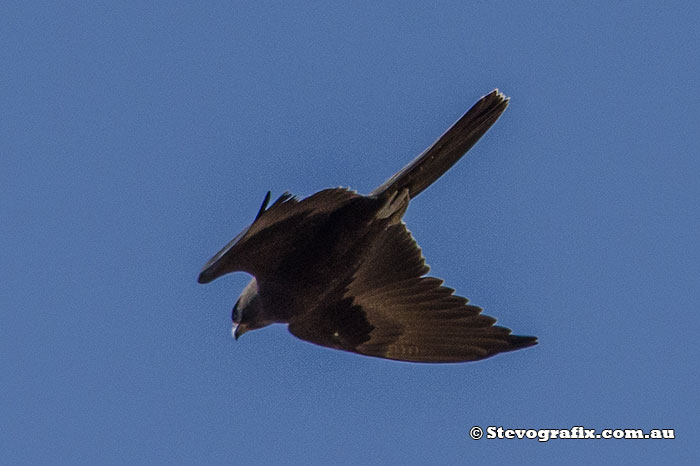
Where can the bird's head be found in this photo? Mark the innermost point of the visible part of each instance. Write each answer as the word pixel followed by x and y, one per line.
pixel 247 313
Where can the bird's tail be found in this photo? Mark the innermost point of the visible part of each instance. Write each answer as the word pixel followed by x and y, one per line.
pixel 425 169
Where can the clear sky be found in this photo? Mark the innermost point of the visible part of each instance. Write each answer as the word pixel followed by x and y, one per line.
pixel 137 138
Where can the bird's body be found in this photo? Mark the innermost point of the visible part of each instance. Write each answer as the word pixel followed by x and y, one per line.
pixel 344 272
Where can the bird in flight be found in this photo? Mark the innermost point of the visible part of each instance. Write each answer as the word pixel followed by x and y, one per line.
pixel 344 272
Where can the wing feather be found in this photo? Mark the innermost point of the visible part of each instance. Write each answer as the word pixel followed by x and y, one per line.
pixel 389 310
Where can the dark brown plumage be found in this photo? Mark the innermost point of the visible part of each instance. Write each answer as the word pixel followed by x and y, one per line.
pixel 344 272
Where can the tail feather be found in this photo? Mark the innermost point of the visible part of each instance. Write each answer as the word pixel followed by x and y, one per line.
pixel 425 169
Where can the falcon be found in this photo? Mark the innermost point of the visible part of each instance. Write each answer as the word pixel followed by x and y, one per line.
pixel 343 271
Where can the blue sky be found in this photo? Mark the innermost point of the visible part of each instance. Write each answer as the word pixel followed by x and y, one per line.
pixel 137 139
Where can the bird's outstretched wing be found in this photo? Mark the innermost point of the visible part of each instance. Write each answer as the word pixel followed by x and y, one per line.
pixel 425 169
pixel 389 310
pixel 281 224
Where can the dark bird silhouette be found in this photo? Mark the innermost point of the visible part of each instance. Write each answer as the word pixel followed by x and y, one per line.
pixel 344 272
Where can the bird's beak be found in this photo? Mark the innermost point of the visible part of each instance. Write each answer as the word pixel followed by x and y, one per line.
pixel 238 330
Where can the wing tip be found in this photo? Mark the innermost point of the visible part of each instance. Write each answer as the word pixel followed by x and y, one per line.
pixel 521 341
pixel 498 95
